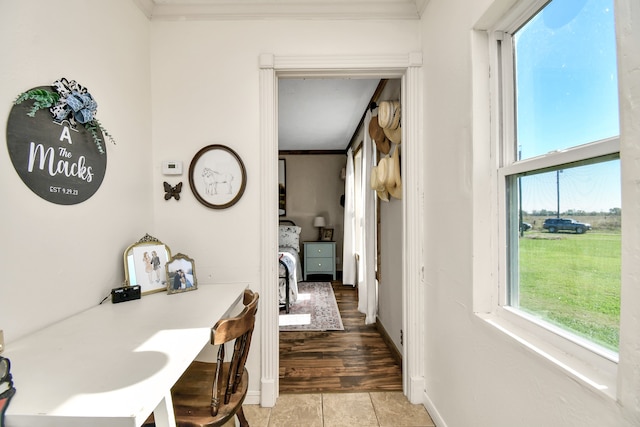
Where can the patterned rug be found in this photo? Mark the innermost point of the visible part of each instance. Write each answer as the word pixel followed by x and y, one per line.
pixel 315 310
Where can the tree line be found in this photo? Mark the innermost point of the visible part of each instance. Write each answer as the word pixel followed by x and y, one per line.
pixel 574 212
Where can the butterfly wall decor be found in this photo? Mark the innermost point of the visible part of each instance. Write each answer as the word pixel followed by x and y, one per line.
pixel 172 191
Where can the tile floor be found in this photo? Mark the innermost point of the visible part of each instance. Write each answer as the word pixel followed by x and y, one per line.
pixel 375 409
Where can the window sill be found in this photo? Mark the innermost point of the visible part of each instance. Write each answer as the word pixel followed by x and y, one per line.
pixel 589 368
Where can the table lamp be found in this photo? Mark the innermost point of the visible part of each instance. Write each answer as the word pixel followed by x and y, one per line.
pixel 320 223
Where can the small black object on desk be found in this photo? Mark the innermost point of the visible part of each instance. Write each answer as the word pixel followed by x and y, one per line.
pixel 125 293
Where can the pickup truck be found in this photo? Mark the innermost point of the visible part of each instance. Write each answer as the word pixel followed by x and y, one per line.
pixel 563 224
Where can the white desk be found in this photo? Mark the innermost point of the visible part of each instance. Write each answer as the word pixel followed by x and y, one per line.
pixel 113 364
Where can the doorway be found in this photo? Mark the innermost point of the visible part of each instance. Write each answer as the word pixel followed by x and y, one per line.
pixel 408 68
pixel 364 356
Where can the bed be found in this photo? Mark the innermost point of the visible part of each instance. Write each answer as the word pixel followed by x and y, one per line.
pixel 289 271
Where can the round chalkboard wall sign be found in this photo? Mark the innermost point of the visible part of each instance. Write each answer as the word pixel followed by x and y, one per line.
pixel 58 160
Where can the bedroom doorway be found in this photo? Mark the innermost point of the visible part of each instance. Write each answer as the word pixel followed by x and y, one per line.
pixel 407 67
pixel 317 180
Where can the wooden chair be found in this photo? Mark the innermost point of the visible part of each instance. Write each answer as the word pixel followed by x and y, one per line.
pixel 210 394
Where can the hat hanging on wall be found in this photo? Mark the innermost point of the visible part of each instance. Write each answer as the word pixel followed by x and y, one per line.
pixel 385 177
pixel 377 184
pixel 390 114
pixel 397 114
pixel 395 135
pixel 393 181
pixel 386 110
pixel 377 134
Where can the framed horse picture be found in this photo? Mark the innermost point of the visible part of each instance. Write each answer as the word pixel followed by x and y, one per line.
pixel 217 176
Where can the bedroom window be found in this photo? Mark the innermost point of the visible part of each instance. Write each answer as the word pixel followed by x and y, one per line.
pixel 559 172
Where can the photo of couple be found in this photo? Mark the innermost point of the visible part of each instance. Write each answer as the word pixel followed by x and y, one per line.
pixel 147 267
pixel 181 274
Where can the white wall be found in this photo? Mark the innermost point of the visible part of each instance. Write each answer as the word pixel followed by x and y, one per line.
pixel 314 187
pixel 476 375
pixel 390 307
pixel 205 89
pixel 58 260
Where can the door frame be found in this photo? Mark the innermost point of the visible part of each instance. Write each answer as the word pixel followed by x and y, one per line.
pixel 408 67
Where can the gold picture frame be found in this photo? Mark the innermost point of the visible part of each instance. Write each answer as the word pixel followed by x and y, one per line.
pixel 144 264
pixel 181 274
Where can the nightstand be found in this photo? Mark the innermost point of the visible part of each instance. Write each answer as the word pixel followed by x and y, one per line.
pixel 320 258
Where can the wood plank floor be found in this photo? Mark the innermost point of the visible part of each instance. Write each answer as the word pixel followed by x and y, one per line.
pixel 356 359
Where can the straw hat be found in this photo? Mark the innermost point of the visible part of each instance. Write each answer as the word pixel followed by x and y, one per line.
pixel 397 113
pixel 389 118
pixel 393 180
pixel 394 130
pixel 386 110
pixel 386 178
pixel 395 135
pixel 383 170
pixel 378 136
pixel 377 184
pixel 383 195
pixel 389 114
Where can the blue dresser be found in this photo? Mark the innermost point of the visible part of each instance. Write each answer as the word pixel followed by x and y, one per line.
pixel 320 258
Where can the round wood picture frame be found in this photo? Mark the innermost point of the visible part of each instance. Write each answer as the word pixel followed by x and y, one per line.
pixel 217 176
pixel 59 162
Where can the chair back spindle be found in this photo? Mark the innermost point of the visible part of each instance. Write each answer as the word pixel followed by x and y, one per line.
pixel 240 330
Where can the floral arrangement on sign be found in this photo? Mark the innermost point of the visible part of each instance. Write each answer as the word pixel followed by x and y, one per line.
pixel 71 102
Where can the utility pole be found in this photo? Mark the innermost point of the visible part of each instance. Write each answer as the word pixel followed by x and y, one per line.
pixel 558 191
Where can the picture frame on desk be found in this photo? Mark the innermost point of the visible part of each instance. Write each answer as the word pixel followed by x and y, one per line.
pixel 181 272
pixel 327 234
pixel 144 265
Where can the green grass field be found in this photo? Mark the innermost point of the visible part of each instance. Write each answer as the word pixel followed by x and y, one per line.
pixel 573 281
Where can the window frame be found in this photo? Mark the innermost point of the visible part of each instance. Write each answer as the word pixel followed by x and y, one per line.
pixel 584 360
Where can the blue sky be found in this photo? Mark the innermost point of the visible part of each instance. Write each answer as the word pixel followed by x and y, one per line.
pixel 567 95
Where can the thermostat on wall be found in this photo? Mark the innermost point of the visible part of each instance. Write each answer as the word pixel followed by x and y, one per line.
pixel 172 168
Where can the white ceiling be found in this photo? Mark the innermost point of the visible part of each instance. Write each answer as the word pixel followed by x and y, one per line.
pixel 321 114
pixel 313 114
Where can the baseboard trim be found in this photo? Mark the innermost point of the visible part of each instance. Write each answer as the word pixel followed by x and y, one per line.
pixel 395 353
pixel 433 412
pixel 268 394
pixel 252 398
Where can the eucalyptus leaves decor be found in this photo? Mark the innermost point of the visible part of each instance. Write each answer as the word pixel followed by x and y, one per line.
pixel 68 101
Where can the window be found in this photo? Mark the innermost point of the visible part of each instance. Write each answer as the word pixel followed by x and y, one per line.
pixel 559 171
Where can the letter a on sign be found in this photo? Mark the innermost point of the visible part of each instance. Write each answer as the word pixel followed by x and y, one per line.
pixel 65 135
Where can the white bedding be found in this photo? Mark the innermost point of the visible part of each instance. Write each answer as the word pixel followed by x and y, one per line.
pixel 291 259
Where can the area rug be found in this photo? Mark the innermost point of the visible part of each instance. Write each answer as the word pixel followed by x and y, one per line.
pixel 316 309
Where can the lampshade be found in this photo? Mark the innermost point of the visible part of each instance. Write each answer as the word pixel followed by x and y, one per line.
pixel 319 221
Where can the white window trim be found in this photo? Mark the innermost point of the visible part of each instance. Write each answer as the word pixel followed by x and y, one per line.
pixel 584 361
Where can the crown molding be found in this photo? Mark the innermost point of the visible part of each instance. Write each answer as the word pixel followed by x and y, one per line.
pixel 173 10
